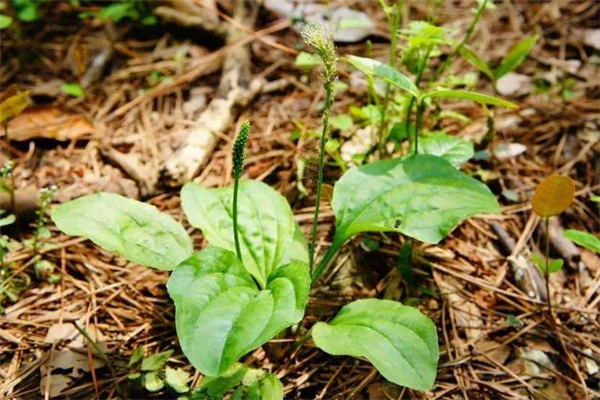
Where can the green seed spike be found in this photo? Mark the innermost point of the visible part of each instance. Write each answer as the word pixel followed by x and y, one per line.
pixel 239 150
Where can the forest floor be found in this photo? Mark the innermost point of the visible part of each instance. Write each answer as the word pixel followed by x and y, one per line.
pixel 496 340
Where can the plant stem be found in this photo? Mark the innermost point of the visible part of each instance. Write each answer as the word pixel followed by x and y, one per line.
pixel 418 79
pixel 418 125
pixel 547 269
pixel 326 112
pixel 395 22
pixel 236 234
pixel 326 260
pixel 442 68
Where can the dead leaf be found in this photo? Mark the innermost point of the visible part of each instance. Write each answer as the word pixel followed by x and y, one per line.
pixel 50 123
pixel 492 349
pixel 58 332
pixel 513 84
pixel 505 151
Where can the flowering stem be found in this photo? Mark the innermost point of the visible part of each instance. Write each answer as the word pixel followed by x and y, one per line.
pixel 316 36
pixel 239 159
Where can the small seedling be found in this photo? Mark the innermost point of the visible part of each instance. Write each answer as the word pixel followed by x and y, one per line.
pixel 551 198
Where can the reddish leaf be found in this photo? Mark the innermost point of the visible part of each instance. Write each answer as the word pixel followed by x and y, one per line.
pixel 553 196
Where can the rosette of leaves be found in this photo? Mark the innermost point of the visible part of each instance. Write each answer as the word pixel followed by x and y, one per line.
pixel 225 307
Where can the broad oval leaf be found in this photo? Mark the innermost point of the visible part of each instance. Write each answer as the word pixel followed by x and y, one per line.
pixel 135 230
pixel 421 196
pixel 584 239
pixel 455 150
pixel 553 196
pixel 265 220
pixel 398 340
pixel 473 96
pixel 476 61
pixel 391 75
pixel 221 314
pixel 515 56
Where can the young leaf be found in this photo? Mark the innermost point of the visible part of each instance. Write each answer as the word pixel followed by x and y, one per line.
pixel 422 196
pixel 73 89
pixel 476 61
pixel 374 68
pixel 135 230
pixel 553 196
pixel 583 239
pixel 221 314
pixel 136 356
pixel 5 21
pixel 152 382
pixel 177 379
pixel 455 150
pixel 398 340
pixel 553 265
pixel 156 361
pixel 473 96
pixel 265 223
pixel 515 56
pixel 261 384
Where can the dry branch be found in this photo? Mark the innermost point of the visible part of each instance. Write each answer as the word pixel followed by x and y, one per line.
pixel 235 89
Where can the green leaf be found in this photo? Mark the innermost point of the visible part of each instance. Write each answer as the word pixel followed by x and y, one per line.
pixel 515 56
pixel 476 61
pixel 553 266
pixel 265 222
pixel 455 150
pixel 258 384
pixel 474 96
pixel 343 122
pixel 583 239
pixel 398 340
pixel 72 89
pixel 135 230
pixel 374 68
pixel 177 379
pixel 136 356
pixel 421 196
pixel 307 60
pixel 156 361
pixel 220 312
pixel 270 388
pixel 9 219
pixel 5 21
pixel 152 382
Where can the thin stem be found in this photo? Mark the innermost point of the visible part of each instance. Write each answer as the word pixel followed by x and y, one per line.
pixel 547 269
pixel 326 260
pixel 395 22
pixel 418 125
pixel 418 79
pixel 236 234
pixel 102 355
pixel 442 68
pixel 326 112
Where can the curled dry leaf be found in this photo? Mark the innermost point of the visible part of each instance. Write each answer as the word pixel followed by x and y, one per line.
pixel 553 196
pixel 49 123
